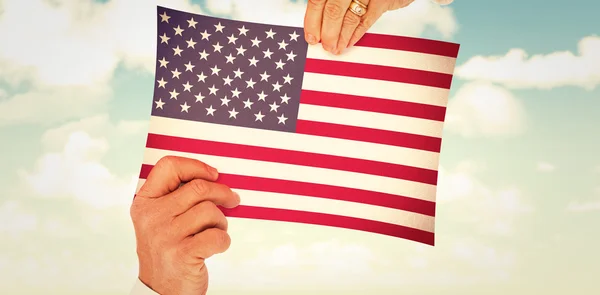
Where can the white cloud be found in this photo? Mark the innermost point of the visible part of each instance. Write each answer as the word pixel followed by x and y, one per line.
pixel 545 167
pixel 51 104
pixel 76 172
pixel 13 219
pixel 482 109
pixel 68 50
pixel 95 126
pixel 469 201
pixel 584 206
pixel 412 20
pixel 517 69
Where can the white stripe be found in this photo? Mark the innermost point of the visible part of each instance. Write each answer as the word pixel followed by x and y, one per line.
pixel 355 180
pixel 333 207
pixel 387 57
pixel 376 88
pixel 371 120
pixel 291 141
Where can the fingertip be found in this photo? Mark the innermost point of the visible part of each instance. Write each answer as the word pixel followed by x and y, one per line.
pixel 232 202
pixel 237 200
pixel 311 39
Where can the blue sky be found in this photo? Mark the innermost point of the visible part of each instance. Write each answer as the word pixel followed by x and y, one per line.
pixel 519 193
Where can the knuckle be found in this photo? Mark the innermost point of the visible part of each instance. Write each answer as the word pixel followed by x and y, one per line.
pixel 222 239
pixel 165 161
pixel 334 10
pixel 351 20
pixel 199 187
pixel 367 22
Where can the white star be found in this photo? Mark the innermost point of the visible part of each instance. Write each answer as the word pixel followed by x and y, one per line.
pixel 248 104
pixel 282 119
pixel 277 86
pixel 235 93
pixel 210 111
pixel 199 97
pixel 227 81
pixel 219 28
pixel 174 94
pixel 176 73
pixel 232 39
pixel 238 73
pixel 185 107
pixel 291 55
pixel 217 47
pixel 262 96
pixel 230 58
pixel 264 76
pixel 215 70
pixel 213 90
pixel 253 61
pixel 285 98
pixel 280 64
pixel 250 84
pixel 233 114
pixel 161 83
pixel 274 107
pixel 177 51
pixel 225 101
pixel 187 86
pixel 287 79
pixel 255 42
pixel 159 104
pixel 241 50
pixel 191 43
pixel 189 66
pixel 294 36
pixel 163 62
pixel 259 116
pixel 164 17
pixel 164 39
pixel 178 31
pixel 282 45
pixel 192 23
pixel 204 55
pixel 205 35
pixel 243 30
pixel 201 77
pixel 270 33
pixel 268 53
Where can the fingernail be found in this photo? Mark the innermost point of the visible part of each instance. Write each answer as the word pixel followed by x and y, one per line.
pixel 311 39
pixel 238 197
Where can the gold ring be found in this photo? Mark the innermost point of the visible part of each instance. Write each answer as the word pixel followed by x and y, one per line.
pixel 357 8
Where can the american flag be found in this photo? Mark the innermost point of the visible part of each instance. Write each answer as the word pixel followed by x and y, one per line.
pixel 350 141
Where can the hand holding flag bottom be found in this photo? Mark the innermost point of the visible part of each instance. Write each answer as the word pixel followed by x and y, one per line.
pixel 178 226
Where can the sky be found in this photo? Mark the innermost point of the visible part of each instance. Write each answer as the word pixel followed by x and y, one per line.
pixel 519 186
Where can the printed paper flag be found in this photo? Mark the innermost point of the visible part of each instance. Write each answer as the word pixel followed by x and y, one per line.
pixel 350 141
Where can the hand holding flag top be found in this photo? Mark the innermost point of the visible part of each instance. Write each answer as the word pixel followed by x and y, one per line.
pixel 339 24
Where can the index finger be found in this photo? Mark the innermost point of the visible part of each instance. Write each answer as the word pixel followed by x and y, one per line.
pixel 171 171
pixel 313 20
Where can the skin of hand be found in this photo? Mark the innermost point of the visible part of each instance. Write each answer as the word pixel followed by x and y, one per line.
pixel 331 23
pixel 178 226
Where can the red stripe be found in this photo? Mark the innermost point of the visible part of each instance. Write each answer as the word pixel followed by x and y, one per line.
pixel 409 44
pixel 376 72
pixel 331 220
pixel 320 191
pixel 198 146
pixel 420 142
pixel 370 104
